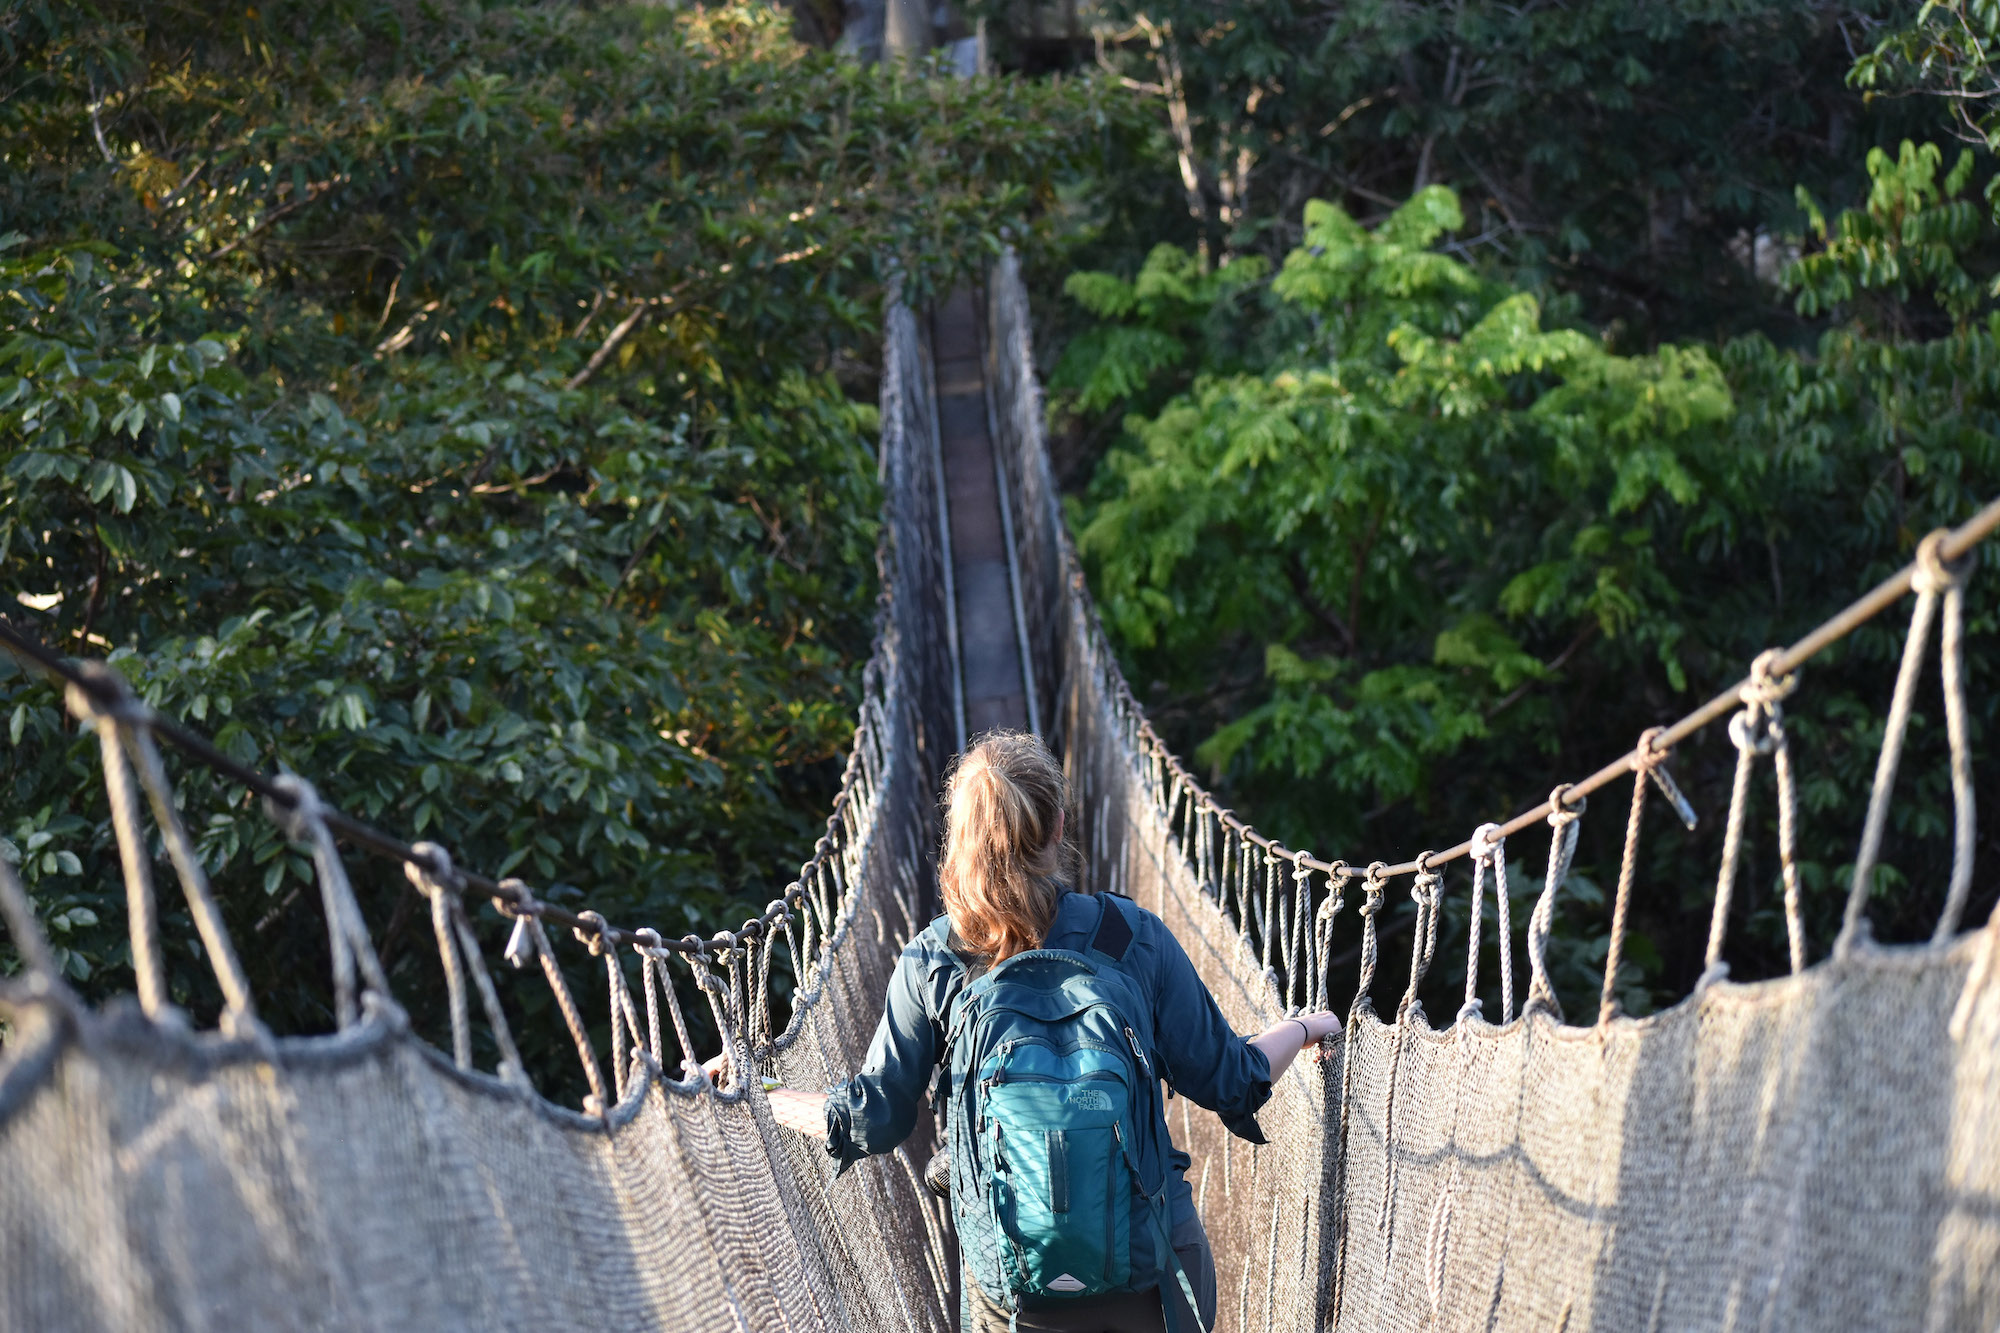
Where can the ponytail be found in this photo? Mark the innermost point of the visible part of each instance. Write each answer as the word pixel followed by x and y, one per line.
pixel 1004 863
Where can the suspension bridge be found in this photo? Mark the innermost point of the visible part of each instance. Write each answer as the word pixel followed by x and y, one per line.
pixel 1806 1152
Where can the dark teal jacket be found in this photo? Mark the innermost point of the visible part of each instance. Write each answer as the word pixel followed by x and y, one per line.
pixel 1190 1043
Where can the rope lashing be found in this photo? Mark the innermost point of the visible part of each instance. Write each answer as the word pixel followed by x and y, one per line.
pixel 458 949
pixel 1645 761
pixel 1563 830
pixel 521 905
pixel 1488 849
pixel 304 820
pixel 1932 581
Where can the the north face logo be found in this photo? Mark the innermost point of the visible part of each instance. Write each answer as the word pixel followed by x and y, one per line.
pixel 1065 1282
pixel 1089 1099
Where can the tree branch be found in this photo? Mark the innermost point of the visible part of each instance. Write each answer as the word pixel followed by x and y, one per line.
pixel 609 345
pixel 1295 570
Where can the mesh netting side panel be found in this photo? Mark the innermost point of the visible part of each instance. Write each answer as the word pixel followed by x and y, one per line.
pixel 1804 1153
pixel 151 1179
pixel 154 1182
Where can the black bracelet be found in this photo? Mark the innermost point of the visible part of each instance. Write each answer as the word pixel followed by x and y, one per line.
pixel 1308 1031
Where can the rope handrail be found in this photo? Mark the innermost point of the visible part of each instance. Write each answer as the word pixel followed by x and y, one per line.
pixel 1954 544
pixel 110 693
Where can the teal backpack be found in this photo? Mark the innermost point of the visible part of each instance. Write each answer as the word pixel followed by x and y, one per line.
pixel 1056 1130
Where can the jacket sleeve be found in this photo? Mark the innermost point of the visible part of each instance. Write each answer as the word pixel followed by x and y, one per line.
pixel 1201 1057
pixel 875 1110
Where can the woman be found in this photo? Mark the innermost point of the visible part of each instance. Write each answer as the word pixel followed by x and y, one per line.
pixel 1005 881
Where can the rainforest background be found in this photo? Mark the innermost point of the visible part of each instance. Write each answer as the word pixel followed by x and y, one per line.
pixel 469 406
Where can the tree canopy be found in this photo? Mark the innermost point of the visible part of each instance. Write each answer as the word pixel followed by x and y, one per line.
pixel 470 409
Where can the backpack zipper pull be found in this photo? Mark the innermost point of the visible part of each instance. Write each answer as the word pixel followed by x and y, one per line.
pixel 1144 1063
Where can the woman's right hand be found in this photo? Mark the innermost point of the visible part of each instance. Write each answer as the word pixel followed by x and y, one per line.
pixel 801 1111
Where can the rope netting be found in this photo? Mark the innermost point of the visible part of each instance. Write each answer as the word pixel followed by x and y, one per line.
pixel 1805 1152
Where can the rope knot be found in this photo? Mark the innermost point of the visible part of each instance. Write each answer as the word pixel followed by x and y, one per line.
pixel 1762 740
pixel 1561 812
pixel 305 810
pixel 431 873
pixel 646 938
pixel 597 937
pixel 1934 574
pixel 121 706
pixel 1373 886
pixel 1486 840
pixel 1644 757
pixel 1766 688
pixel 523 909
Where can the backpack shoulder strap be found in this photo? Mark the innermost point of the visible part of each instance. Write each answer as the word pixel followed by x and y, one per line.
pixel 1114 933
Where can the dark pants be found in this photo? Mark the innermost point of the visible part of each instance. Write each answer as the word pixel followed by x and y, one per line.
pixel 1114 1312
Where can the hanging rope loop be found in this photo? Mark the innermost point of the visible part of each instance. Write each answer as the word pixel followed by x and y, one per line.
pixel 1947 580
pixel 1563 818
pixel 1484 848
pixel 302 815
pixel 1323 919
pixel 1424 893
pixel 431 880
pixel 1933 581
pixel 535 944
pixel 1372 887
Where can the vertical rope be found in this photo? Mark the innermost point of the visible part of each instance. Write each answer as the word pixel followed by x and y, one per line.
pixel 1759 729
pixel 1424 893
pixel 511 1068
pixel 1951 649
pixel 1371 904
pixel 431 884
pixel 1854 918
pixel 1503 907
pixel 304 820
pixel 239 1016
pixel 29 942
pixel 142 911
pixel 1788 842
pixel 1644 758
pixel 1484 848
pixel 1298 985
pixel 527 915
pixel 1329 910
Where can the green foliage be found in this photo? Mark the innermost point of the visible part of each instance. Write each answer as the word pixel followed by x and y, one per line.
pixel 446 405
pixel 1635 156
pixel 1395 576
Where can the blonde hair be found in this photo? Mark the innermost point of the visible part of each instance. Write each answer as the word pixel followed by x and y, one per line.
pixel 1004 862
